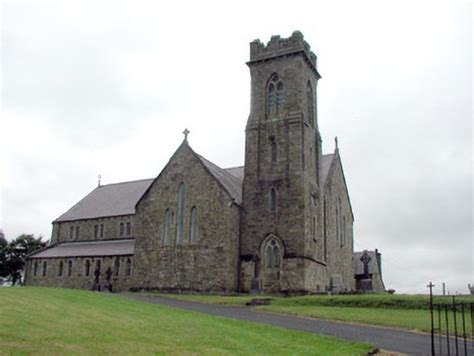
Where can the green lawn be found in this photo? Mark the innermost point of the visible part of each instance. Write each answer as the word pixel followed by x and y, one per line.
pixel 399 311
pixel 64 321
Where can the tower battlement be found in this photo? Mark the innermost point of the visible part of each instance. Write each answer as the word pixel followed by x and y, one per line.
pixel 278 47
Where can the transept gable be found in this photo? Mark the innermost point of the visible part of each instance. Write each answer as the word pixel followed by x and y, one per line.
pixel 229 180
pixel 334 162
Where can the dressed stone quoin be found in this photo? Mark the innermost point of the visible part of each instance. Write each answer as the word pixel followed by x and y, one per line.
pixel 282 223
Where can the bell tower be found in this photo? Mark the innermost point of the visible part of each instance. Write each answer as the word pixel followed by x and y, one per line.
pixel 281 224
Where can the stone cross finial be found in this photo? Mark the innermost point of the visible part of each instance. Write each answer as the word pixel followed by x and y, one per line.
pixel 186 133
pixel 99 177
pixel 337 145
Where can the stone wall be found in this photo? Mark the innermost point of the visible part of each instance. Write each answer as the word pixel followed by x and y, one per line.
pixel 208 264
pixel 111 229
pixel 76 277
pixel 339 255
pixel 292 172
pixel 295 275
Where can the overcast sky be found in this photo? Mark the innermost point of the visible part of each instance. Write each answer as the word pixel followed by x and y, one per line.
pixel 108 87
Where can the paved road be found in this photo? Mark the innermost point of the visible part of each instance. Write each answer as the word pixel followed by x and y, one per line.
pixel 387 339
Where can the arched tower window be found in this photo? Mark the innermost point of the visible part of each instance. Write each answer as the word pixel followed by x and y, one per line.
pixel 180 214
pixel 272 254
pixel 166 227
pixel 275 95
pixel 280 97
pixel 270 98
pixel 193 226
pixel 310 99
pixel 273 199
pixel 61 266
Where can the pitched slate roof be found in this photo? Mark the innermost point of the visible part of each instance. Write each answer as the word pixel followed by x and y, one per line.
pixel 108 200
pixel 358 265
pixel 237 172
pixel 120 198
pixel 88 248
pixel 326 165
pixel 230 182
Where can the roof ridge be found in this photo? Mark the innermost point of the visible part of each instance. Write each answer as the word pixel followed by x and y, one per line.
pixel 67 243
pixel 222 169
pixel 243 166
pixel 232 181
pixel 130 181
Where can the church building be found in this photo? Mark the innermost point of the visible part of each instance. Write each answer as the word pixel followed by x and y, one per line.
pixel 282 223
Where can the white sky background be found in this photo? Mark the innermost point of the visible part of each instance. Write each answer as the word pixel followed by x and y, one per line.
pixel 108 87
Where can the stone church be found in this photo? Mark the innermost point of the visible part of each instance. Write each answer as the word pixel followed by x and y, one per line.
pixel 282 223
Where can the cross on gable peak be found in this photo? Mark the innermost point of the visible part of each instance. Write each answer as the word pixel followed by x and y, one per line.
pixel 186 133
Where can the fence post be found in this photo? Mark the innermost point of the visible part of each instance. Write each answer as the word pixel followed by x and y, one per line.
pixel 446 307
pixel 464 329
pixel 438 307
pixel 455 326
pixel 430 286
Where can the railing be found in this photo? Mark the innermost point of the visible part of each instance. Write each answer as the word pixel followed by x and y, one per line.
pixel 452 327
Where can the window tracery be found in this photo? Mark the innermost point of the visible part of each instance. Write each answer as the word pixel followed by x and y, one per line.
pixel 275 93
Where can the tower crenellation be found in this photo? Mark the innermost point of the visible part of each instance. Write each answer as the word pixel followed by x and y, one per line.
pixel 278 47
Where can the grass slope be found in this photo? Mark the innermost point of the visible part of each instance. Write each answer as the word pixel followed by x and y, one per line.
pixel 64 321
pixel 399 311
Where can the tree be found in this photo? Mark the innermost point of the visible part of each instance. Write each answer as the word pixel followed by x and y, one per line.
pixel 13 256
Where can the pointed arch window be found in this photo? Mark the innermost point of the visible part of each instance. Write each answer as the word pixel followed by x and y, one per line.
pixel 45 267
pixel 340 224
pixel 117 266
pixel 272 254
pixel 280 97
pixel 69 268
pixel 166 227
pixel 88 268
pixel 35 268
pixel 343 231
pixel 273 199
pixel 193 226
pixel 61 267
pixel 275 95
pixel 270 98
pixel 310 99
pixel 180 214
pixel 128 266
